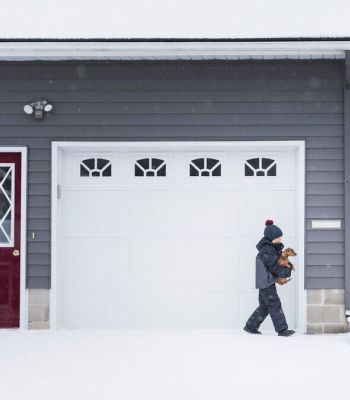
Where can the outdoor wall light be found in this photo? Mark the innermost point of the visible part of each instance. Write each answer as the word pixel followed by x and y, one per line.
pixel 38 107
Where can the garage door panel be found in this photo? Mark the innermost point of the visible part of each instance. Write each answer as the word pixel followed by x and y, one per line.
pixel 93 260
pixel 104 213
pixel 245 261
pixel 175 214
pixel 144 214
pixel 143 261
pixel 90 309
pixel 255 209
pixel 89 213
pixel 206 214
pixel 204 261
pixel 157 306
pixel 149 261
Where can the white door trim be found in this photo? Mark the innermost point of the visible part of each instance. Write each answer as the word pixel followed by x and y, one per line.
pixel 58 147
pixel 23 300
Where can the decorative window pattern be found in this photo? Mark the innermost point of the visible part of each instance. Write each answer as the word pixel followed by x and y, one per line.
pixel 205 167
pixel 6 204
pixel 96 167
pixel 150 167
pixel 260 166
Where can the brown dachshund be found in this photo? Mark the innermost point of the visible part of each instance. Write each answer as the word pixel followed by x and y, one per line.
pixel 283 258
pixel 284 262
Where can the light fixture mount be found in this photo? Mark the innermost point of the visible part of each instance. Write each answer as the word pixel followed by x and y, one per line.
pixel 38 108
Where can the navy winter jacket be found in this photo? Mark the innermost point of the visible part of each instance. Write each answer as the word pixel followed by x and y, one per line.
pixel 267 270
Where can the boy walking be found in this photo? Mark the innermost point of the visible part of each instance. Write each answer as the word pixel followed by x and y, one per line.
pixel 268 272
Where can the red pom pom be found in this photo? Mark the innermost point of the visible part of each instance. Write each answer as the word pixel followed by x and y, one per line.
pixel 269 222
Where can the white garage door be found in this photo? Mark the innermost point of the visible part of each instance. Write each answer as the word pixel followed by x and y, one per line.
pixel 164 236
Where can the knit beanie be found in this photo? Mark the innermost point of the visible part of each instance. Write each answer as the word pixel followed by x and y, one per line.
pixel 272 231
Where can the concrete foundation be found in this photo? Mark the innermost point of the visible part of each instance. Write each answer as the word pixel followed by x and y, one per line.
pixel 326 311
pixel 38 308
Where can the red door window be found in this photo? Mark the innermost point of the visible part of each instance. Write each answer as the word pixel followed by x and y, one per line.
pixel 10 235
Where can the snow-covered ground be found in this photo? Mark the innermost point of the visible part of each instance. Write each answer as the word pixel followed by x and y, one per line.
pixel 172 364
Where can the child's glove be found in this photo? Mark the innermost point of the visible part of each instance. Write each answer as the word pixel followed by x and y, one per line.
pixel 281 281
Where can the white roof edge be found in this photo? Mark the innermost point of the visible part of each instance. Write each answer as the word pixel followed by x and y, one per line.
pixel 157 50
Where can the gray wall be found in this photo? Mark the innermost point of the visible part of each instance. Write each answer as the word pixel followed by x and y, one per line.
pixel 198 100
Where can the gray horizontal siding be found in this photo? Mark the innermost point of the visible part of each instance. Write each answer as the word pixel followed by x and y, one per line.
pixel 135 70
pixel 178 96
pixel 177 100
pixel 324 283
pixel 325 200
pixel 155 107
pixel 98 132
pixel 126 86
pixel 179 119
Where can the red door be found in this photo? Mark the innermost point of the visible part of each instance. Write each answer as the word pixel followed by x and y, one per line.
pixel 10 235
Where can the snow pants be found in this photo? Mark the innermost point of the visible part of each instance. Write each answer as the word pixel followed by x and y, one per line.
pixel 269 303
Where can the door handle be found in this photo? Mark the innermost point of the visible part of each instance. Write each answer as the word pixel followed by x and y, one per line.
pixel 16 253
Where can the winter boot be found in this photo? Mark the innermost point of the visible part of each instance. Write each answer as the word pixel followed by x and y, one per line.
pixel 286 332
pixel 251 330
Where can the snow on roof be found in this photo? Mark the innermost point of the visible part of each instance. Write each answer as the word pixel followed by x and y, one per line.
pixel 190 19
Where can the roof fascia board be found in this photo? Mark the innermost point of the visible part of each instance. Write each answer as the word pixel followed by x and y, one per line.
pixel 63 50
pixel 272 39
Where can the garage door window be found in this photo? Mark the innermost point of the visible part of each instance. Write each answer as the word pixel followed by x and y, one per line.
pixel 205 167
pixel 150 167
pixel 95 167
pixel 260 166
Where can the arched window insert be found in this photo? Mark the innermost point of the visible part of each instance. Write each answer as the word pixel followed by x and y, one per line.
pixel 96 167
pixel 6 204
pixel 260 166
pixel 205 167
pixel 150 167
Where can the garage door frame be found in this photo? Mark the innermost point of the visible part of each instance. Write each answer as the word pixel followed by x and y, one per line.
pixel 58 147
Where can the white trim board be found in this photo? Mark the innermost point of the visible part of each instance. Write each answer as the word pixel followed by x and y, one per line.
pixel 22 51
pixel 23 307
pixel 58 147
